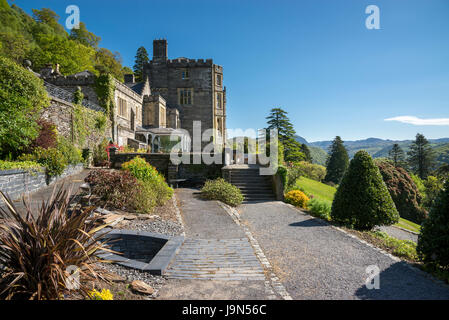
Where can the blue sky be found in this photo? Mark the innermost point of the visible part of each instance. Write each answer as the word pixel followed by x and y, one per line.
pixel 316 59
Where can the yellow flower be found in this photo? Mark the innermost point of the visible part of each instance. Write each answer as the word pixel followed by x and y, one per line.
pixel 105 294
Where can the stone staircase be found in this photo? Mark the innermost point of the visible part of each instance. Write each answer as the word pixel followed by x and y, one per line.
pixel 253 186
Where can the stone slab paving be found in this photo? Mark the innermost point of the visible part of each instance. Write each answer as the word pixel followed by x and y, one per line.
pixel 214 259
pixel 314 260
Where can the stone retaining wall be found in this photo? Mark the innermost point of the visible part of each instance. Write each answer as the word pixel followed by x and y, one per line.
pixel 15 183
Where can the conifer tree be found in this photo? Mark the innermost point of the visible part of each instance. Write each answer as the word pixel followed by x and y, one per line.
pixel 337 162
pixel 141 60
pixel 397 155
pixel 306 151
pixel 362 200
pixel 421 157
pixel 278 119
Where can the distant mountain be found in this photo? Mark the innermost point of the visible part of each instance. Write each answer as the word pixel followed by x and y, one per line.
pixel 379 148
pixel 319 155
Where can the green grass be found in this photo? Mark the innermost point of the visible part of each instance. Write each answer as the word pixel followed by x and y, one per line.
pixel 324 192
pixel 317 189
pixel 408 225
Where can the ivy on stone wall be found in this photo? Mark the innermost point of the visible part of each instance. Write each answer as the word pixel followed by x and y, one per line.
pixel 105 87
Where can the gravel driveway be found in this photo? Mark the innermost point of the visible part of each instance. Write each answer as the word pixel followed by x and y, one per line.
pixel 316 261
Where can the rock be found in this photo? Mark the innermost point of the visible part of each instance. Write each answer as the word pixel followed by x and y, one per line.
pixel 113 277
pixel 130 217
pixel 148 217
pixel 103 211
pixel 112 219
pixel 141 287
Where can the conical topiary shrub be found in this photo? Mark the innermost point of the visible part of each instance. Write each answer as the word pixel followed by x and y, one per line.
pixel 433 242
pixel 362 201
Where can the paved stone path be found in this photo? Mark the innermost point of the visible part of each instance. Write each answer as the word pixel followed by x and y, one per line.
pixel 317 261
pixel 399 233
pixel 227 259
pixel 217 260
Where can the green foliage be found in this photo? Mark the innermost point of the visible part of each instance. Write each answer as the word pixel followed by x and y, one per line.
pixel 278 119
pixel 421 156
pixel 22 97
pixel 362 201
pixel 283 173
pixel 320 208
pixel 87 125
pixel 433 187
pixel 305 169
pixel 107 62
pixel 105 88
pixel 401 248
pixel 151 178
pixel 84 37
pixel 100 156
pixel 434 237
pixel 71 153
pixel 121 190
pixel 19 165
pixel 319 156
pixel 141 59
pixel 50 18
pixel 337 162
pixel 315 189
pixel 297 198
pixel 223 191
pixel 403 191
pixel 397 155
pixel 52 159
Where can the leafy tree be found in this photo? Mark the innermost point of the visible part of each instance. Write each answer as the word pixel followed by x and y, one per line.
pixel 108 62
pixel 50 18
pixel 403 191
pixel 434 237
pixel 13 46
pixel 22 96
pixel 72 56
pixel 337 162
pixel 279 120
pixel 141 59
pixel 362 201
pixel 421 156
pixel 85 37
pixel 397 155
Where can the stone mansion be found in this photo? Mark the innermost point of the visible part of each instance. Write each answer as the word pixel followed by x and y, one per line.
pixel 175 93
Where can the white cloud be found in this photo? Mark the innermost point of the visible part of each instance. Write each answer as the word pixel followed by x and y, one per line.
pixel 420 122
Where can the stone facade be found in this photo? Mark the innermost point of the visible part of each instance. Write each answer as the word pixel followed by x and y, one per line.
pixel 194 87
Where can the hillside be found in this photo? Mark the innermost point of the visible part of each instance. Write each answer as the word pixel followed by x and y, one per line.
pixel 42 40
pixel 379 148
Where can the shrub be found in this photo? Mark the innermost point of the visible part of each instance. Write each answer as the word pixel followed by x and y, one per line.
pixel 434 237
pixel 100 156
pixel 297 198
pixel 22 97
pixel 308 170
pixel 403 191
pixel 221 190
pixel 320 208
pixel 104 294
pixel 121 190
pixel 36 248
pixel 400 248
pixel 19 165
pixel 47 137
pixel 72 154
pixel 362 201
pixel 52 159
pixel 146 173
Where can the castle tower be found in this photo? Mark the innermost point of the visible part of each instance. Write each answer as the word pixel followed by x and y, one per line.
pixel 160 50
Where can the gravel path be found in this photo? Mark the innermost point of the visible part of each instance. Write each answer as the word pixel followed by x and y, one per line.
pixel 399 233
pixel 316 261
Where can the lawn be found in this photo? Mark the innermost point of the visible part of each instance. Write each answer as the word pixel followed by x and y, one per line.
pixel 324 192
pixel 317 189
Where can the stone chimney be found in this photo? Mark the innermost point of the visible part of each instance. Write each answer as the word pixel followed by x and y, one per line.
pixel 129 78
pixel 56 71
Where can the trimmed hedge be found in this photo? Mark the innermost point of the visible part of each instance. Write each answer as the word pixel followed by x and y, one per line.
pixel 362 201
pixel 223 191
pixel 297 198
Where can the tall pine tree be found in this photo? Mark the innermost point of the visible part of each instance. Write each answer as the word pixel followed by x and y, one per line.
pixel 337 162
pixel 397 155
pixel 421 157
pixel 141 60
pixel 278 119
